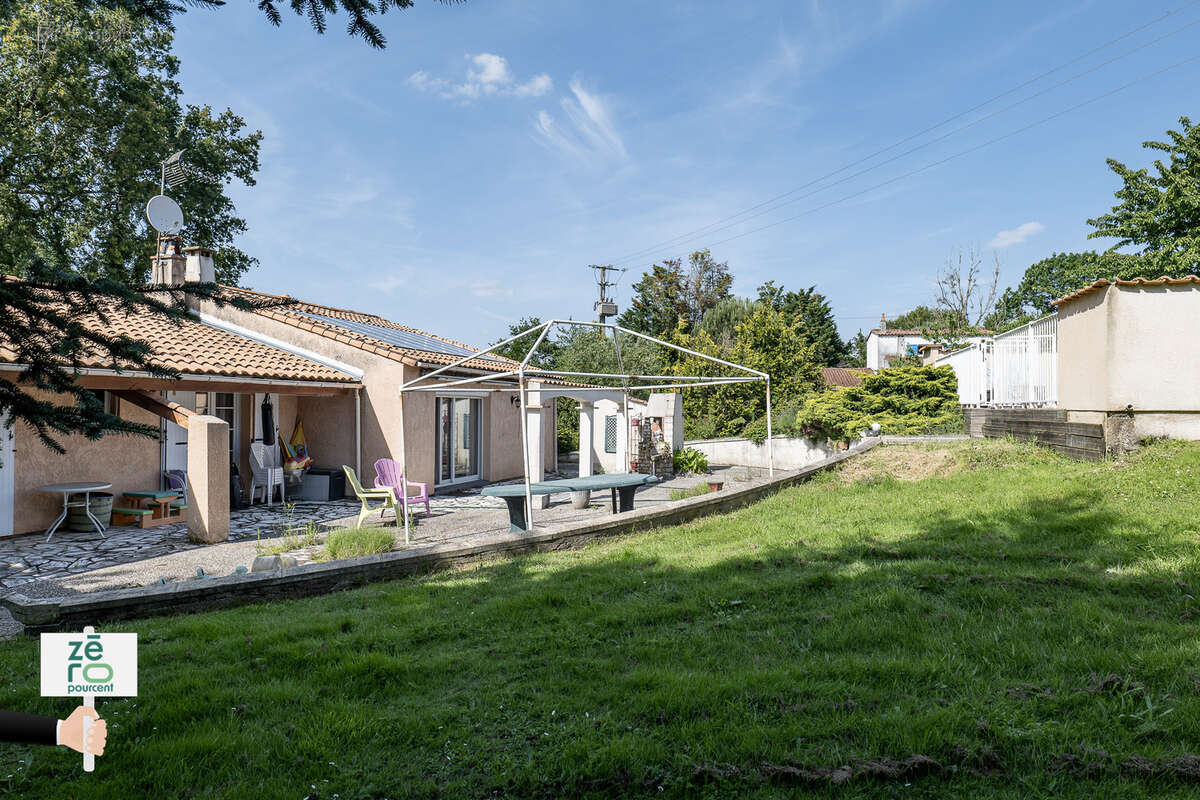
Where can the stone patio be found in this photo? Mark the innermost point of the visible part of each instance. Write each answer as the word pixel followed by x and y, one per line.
pixel 28 558
pixel 75 563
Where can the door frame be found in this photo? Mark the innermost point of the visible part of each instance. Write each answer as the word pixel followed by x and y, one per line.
pixel 169 432
pixel 8 475
pixel 476 440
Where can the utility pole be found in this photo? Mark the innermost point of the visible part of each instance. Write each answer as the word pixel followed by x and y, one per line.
pixel 606 306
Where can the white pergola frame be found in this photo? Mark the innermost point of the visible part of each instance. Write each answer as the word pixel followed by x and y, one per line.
pixel 524 373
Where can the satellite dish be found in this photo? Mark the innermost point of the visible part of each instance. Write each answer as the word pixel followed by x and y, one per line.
pixel 164 214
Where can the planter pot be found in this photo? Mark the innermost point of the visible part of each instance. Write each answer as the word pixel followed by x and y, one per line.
pixel 581 500
pixel 716 486
pixel 100 504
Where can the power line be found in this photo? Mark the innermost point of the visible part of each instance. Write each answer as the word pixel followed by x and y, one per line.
pixel 948 134
pixel 968 151
pixel 709 228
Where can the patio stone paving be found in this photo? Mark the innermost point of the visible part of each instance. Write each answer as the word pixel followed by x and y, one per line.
pixel 28 558
pixel 74 562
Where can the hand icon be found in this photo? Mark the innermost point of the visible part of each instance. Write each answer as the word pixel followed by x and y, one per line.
pixel 71 733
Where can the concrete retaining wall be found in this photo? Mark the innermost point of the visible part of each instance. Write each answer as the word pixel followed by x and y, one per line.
pixel 39 614
pixel 738 452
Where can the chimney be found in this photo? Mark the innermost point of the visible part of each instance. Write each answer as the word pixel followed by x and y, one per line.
pixel 200 264
pixel 882 323
pixel 168 265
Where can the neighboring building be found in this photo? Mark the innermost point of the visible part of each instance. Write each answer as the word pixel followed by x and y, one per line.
pixel 1114 365
pixel 844 376
pixel 1127 356
pixel 885 345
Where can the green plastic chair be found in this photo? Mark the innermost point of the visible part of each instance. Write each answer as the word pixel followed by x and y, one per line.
pixel 365 495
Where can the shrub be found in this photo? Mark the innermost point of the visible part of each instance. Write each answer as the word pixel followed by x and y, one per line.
pixel 903 400
pixel 702 428
pixel 354 542
pixel 690 461
pixel 695 491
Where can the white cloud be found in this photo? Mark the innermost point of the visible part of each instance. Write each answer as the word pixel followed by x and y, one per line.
pixel 1016 235
pixel 489 288
pixel 488 75
pixel 590 136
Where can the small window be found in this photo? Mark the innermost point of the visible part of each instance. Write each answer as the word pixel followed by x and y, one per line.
pixel 112 404
pixel 610 433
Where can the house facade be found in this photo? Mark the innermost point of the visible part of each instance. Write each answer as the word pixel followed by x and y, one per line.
pixel 336 371
pixel 885 346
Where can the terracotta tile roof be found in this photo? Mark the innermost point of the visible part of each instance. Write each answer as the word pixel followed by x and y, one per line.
pixel 914 332
pixel 194 348
pixel 1100 284
pixel 844 376
pixel 300 314
pixel 897 332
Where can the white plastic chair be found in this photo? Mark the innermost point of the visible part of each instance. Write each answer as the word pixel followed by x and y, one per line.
pixel 265 473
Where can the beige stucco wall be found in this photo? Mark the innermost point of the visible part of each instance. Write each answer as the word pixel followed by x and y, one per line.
pixel 1083 332
pixel 329 421
pixel 1153 339
pixel 1130 346
pixel 129 463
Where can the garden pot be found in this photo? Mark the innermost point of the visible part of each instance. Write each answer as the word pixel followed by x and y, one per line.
pixel 582 499
pixel 100 504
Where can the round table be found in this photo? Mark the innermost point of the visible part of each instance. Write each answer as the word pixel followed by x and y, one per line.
pixel 68 489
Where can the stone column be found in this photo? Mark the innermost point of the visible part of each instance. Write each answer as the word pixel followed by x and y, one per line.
pixel 587 437
pixel 208 479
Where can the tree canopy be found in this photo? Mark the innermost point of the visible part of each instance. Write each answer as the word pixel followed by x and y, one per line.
pixel 672 292
pixel 767 341
pixel 89 106
pixel 1053 277
pixel 1159 210
pixel 360 13
pixel 809 309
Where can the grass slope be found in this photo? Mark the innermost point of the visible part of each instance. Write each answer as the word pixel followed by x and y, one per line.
pixel 1019 626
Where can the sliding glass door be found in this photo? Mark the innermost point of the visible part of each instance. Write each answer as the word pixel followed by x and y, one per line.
pixel 457 440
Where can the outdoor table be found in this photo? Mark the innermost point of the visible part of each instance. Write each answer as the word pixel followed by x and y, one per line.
pixel 623 485
pixel 158 503
pixel 68 489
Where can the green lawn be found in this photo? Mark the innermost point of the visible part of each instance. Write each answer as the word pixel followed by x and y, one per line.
pixel 1016 625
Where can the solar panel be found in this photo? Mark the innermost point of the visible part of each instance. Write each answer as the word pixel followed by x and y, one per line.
pixel 408 339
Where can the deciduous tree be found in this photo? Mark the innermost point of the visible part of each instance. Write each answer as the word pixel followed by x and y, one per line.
pixel 1159 210
pixel 672 292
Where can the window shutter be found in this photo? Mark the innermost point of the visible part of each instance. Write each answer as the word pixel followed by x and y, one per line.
pixel 610 434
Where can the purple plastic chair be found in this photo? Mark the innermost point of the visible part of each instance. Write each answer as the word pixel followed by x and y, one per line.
pixel 388 475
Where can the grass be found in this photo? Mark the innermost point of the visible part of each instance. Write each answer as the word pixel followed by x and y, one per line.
pixel 288 542
pixel 354 542
pixel 693 491
pixel 1015 626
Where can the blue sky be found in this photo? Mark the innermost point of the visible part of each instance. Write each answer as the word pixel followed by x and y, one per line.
pixel 466 175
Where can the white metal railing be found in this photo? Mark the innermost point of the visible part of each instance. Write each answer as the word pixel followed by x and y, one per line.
pixel 1016 368
pixel 973 368
pixel 1025 364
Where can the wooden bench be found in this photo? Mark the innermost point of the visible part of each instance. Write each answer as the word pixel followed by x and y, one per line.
pixel 622 484
pixel 149 509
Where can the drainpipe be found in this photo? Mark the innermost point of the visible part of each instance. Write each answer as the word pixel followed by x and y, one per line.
pixel 358 430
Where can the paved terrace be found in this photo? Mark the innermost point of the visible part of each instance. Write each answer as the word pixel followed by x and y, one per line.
pixel 128 556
